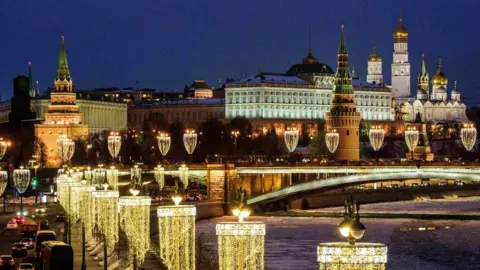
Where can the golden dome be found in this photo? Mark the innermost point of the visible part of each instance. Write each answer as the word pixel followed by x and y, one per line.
pixel 310 59
pixel 439 78
pixel 400 31
pixel 374 56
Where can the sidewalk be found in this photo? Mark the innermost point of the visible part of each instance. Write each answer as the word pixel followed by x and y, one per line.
pixel 77 250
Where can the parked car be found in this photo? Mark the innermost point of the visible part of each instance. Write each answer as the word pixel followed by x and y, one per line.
pixel 28 242
pixel 19 219
pixel 6 260
pixel 12 225
pixel 26 266
pixel 19 250
pixel 43 225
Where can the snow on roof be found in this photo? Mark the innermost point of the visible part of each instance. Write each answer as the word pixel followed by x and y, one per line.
pixel 272 78
pixel 206 101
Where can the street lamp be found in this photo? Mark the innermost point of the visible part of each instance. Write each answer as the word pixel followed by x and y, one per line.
pixel 332 138
pixel 3 147
pixel 376 135
pixel 235 134
pixel 411 138
pixel 114 144
pixel 190 140
pixel 21 179
pixel 291 138
pixel 164 141
pixel 469 136
pixel 351 226
pixel 65 148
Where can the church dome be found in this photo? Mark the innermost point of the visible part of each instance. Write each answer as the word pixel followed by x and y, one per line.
pixel 373 57
pixel 310 65
pixel 439 78
pixel 400 31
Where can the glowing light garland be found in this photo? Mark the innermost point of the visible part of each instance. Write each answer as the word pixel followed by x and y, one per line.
pixel 3 181
pixel 361 256
pixel 469 136
pixel 159 174
pixel 164 141
pixel 190 141
pixel 3 148
pixel 21 179
pixel 99 176
pixel 291 139
pixel 136 175
pixel 376 135
pixel 241 245
pixel 332 138
pixel 411 138
pixel 112 178
pixel 106 204
pixel 114 144
pixel 135 222
pixel 176 229
pixel 85 211
pixel 183 174
pixel 65 148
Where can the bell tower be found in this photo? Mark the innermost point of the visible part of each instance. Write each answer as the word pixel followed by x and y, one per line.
pixel 343 115
pixel 400 65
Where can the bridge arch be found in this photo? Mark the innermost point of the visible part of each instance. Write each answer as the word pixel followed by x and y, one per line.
pixel 359 179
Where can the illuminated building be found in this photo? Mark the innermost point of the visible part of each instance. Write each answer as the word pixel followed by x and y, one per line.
pixel 374 67
pixel 343 116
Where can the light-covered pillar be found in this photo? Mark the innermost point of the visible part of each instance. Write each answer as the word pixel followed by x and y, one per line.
pixel 176 229
pixel 361 256
pixel 241 245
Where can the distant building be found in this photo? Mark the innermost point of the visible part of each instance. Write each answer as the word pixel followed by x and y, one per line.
pixel 20 104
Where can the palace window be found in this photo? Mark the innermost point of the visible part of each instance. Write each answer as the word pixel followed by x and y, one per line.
pixel 348 132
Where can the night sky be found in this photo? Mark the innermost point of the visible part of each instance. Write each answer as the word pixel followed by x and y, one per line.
pixel 167 44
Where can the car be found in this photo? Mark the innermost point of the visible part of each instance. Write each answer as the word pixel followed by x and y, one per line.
pixel 19 250
pixel 19 219
pixel 459 183
pixel 41 209
pixel 12 225
pixel 60 217
pixel 43 225
pixel 22 213
pixel 28 242
pixel 7 260
pixel 26 266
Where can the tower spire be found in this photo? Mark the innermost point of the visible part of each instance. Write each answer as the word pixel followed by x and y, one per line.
pixel 63 72
pixel 424 68
pixel 343 77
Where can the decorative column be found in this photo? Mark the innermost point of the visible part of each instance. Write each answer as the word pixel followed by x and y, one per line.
pixel 176 229
pixel 241 244
pixel 135 222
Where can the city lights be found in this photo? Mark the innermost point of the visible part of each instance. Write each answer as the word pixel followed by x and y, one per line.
pixel 183 174
pixel 190 140
pixel 159 174
pixel 65 148
pixel 469 136
pixel 3 147
pixel 291 139
pixel 21 179
pixel 114 144
pixel 106 202
pixel 332 138
pixel 411 138
pixel 3 181
pixel 164 141
pixel 376 135
pixel 112 178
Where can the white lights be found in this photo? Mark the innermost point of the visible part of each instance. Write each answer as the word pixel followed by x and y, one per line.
pixel 136 175
pixel 291 139
pixel 469 136
pixel 183 174
pixel 411 138
pixel 190 140
pixel 65 148
pixel 368 256
pixel 99 176
pixel 3 181
pixel 332 138
pixel 176 229
pixel 114 144
pixel 376 135
pixel 164 141
pixel 159 174
pixel 3 147
pixel 112 178
pixel 106 203
pixel 21 179
pixel 176 198
pixel 241 245
pixel 135 222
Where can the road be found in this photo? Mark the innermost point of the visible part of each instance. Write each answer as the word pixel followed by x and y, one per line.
pixel 9 237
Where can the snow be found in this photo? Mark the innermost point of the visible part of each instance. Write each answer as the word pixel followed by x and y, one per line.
pixel 291 242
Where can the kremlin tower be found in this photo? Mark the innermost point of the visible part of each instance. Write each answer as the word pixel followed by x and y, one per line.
pixel 423 90
pixel 343 116
pixel 374 69
pixel 63 117
pixel 400 65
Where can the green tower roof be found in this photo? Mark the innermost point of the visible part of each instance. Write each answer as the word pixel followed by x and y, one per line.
pixel 63 72
pixel 343 77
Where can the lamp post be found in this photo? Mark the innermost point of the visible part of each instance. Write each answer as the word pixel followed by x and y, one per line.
pixel 235 134
pixel 469 136
pixel 114 144
pixel 351 226
pixel 190 141
pixel 411 138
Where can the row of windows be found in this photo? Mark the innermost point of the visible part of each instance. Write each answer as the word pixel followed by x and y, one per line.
pixel 175 116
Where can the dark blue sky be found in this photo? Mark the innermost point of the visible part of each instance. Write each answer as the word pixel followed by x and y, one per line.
pixel 166 44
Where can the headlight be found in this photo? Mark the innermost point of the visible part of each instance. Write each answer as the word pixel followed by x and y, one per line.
pixel 25 213
pixel 19 213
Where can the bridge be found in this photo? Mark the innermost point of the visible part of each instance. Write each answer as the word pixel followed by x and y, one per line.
pixel 332 177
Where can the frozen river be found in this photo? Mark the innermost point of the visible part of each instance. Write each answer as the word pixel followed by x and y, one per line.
pixel 291 241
